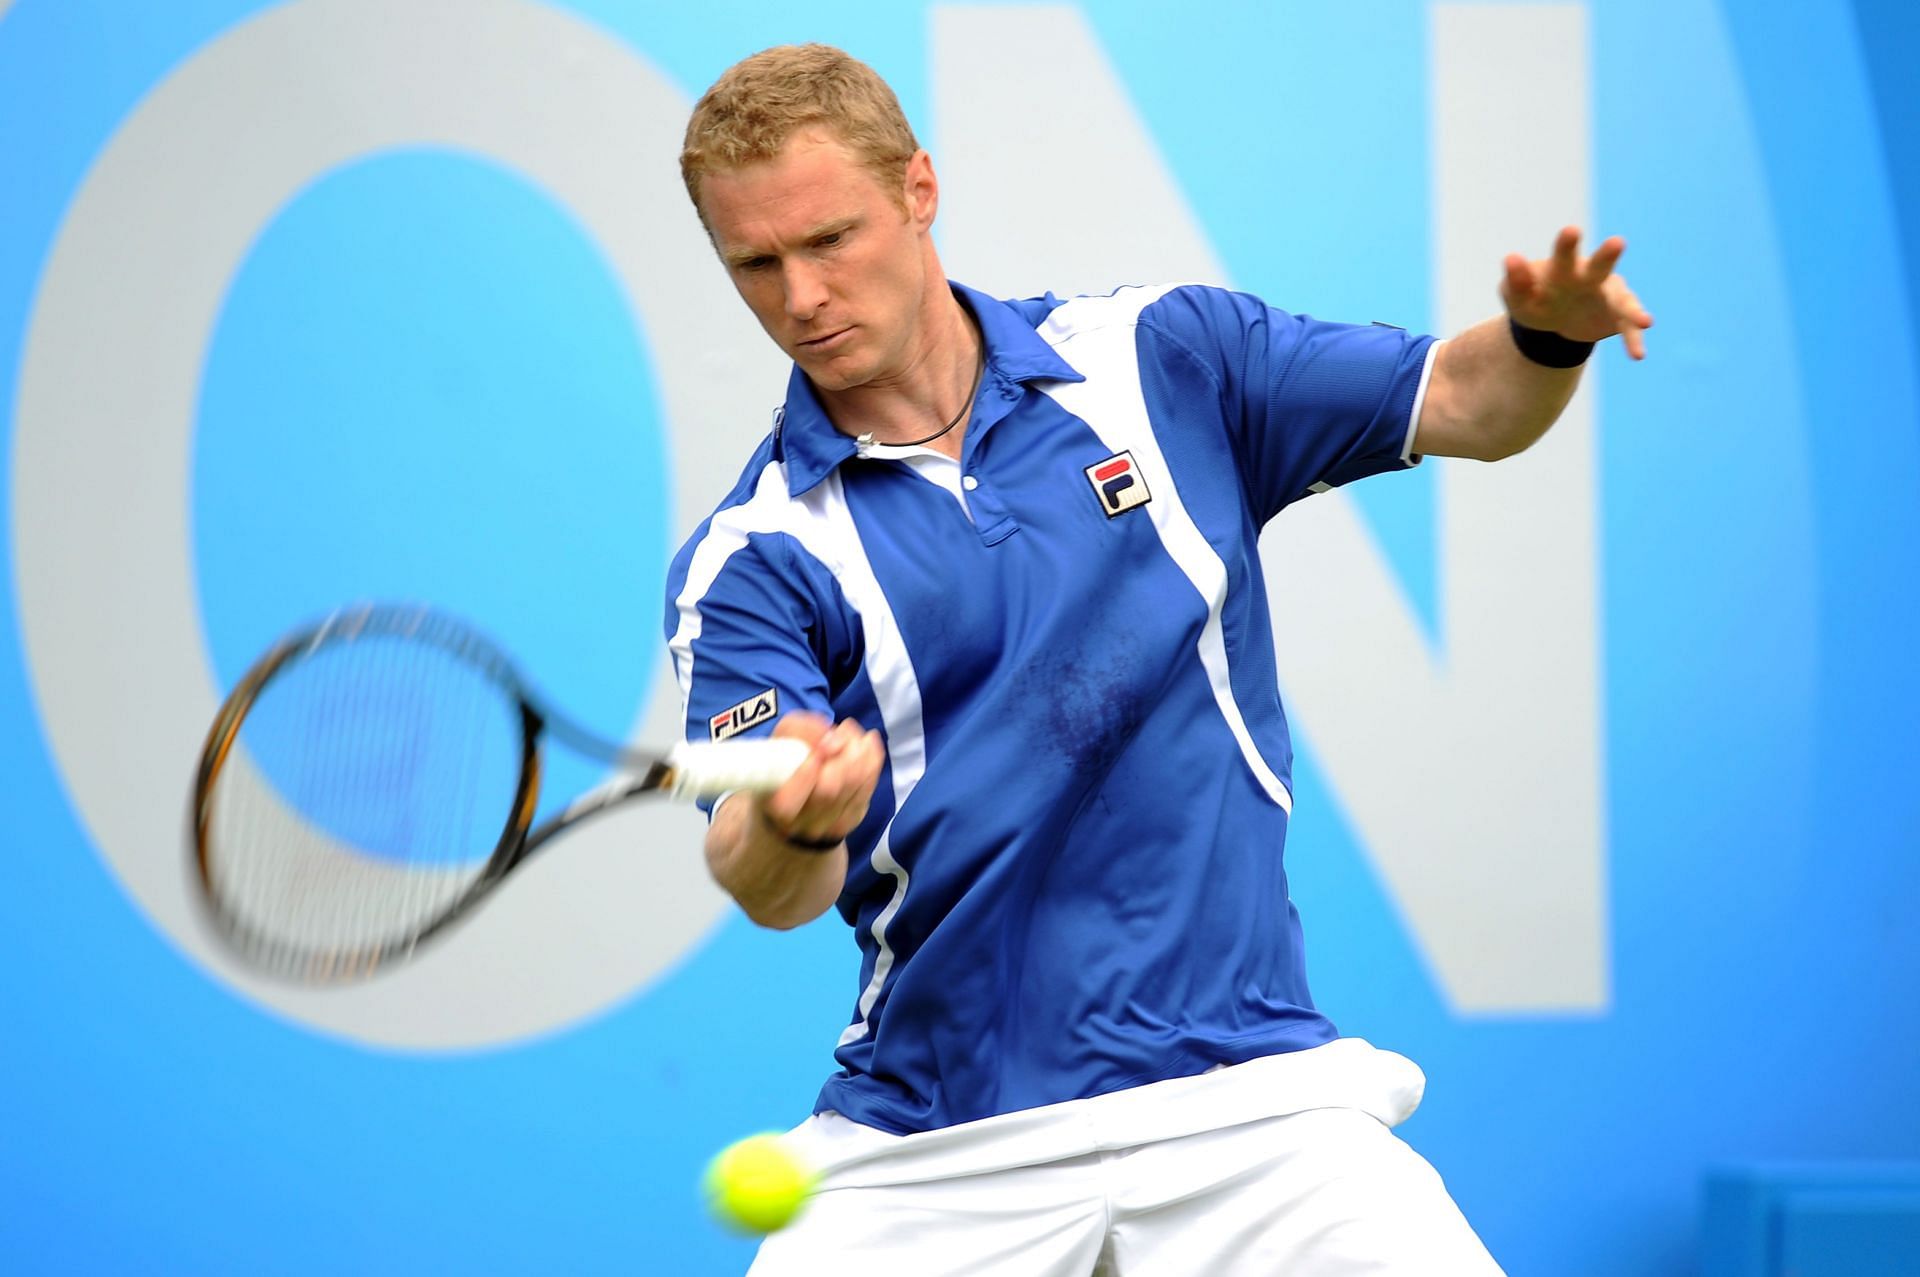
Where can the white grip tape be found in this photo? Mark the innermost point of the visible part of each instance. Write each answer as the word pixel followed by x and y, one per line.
pixel 706 769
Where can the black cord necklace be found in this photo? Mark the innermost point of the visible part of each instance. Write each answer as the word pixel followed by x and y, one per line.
pixel 979 370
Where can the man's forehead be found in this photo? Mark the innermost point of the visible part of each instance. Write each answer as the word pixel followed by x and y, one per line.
pixel 813 182
pixel 810 153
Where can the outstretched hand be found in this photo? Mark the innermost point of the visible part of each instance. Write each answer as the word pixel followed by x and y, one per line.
pixel 1579 298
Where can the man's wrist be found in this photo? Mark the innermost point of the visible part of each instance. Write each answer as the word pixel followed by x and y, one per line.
pixel 815 846
pixel 1549 350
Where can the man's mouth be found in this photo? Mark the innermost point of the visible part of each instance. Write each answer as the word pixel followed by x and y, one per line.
pixel 825 341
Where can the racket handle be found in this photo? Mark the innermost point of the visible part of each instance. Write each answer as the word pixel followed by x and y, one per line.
pixel 707 769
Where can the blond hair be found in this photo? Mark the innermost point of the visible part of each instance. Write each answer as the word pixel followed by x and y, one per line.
pixel 761 101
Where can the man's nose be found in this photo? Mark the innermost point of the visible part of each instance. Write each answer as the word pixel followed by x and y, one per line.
pixel 806 290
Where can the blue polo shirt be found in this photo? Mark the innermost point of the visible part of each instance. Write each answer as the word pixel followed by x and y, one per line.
pixel 1070 879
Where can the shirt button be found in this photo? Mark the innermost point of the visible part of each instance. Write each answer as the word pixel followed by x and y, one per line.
pixel 969 483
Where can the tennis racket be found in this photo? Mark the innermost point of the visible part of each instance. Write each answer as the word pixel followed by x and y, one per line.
pixel 373 778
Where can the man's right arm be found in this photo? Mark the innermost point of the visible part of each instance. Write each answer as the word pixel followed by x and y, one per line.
pixel 757 846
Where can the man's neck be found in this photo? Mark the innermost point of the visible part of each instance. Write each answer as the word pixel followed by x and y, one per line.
pixel 935 389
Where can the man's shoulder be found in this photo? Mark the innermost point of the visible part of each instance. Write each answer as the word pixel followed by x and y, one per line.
pixel 762 481
pixel 1176 306
pixel 762 467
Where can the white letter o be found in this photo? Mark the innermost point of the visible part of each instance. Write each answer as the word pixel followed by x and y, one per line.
pixel 108 389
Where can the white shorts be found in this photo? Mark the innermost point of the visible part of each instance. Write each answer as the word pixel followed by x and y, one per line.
pixel 1309 1190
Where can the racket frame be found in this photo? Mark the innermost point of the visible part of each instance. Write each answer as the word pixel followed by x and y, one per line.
pixel 518 838
pixel 691 770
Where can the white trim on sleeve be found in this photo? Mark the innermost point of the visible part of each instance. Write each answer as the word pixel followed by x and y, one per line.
pixel 1419 402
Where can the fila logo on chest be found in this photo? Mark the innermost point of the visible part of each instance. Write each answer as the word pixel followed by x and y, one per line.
pixel 1118 484
pixel 748 713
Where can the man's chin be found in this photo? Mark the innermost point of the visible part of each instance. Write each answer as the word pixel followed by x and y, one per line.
pixel 831 373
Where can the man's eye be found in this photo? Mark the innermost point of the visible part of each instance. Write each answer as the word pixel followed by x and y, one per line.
pixel 756 263
pixel 828 241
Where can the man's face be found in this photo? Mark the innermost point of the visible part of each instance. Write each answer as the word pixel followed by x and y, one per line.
pixel 825 257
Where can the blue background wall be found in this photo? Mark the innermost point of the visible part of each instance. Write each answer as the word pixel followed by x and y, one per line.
pixel 1760 537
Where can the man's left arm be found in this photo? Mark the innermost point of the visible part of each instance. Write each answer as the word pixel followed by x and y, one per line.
pixel 1495 391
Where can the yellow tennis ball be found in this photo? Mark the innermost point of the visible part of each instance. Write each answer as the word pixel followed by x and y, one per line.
pixel 757 1185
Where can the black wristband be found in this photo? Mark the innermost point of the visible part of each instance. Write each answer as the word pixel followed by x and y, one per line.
pixel 1550 350
pixel 817 846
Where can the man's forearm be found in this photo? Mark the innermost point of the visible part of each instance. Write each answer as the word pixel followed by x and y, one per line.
pixel 777 884
pixel 1486 400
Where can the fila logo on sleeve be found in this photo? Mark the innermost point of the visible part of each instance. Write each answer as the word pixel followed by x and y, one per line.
pixel 752 712
pixel 1118 483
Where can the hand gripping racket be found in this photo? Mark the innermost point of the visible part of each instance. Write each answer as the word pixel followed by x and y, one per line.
pixel 373 778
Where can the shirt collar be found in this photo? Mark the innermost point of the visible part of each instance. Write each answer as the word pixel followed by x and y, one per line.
pixel 810 446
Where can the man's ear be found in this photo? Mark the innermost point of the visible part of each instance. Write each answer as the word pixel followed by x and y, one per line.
pixel 922 190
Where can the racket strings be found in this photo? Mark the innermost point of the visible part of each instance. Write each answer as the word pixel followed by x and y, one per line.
pixel 368 788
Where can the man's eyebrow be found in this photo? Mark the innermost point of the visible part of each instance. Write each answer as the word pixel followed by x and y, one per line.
pixel 834 226
pixel 741 256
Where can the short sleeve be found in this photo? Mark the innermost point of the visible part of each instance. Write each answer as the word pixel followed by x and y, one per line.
pixel 1308 405
pixel 745 639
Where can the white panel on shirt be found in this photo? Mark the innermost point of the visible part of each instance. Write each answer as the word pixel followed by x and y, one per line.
pixel 821 522
pixel 1096 335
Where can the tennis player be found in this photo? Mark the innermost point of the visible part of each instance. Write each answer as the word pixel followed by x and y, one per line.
pixel 997 561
